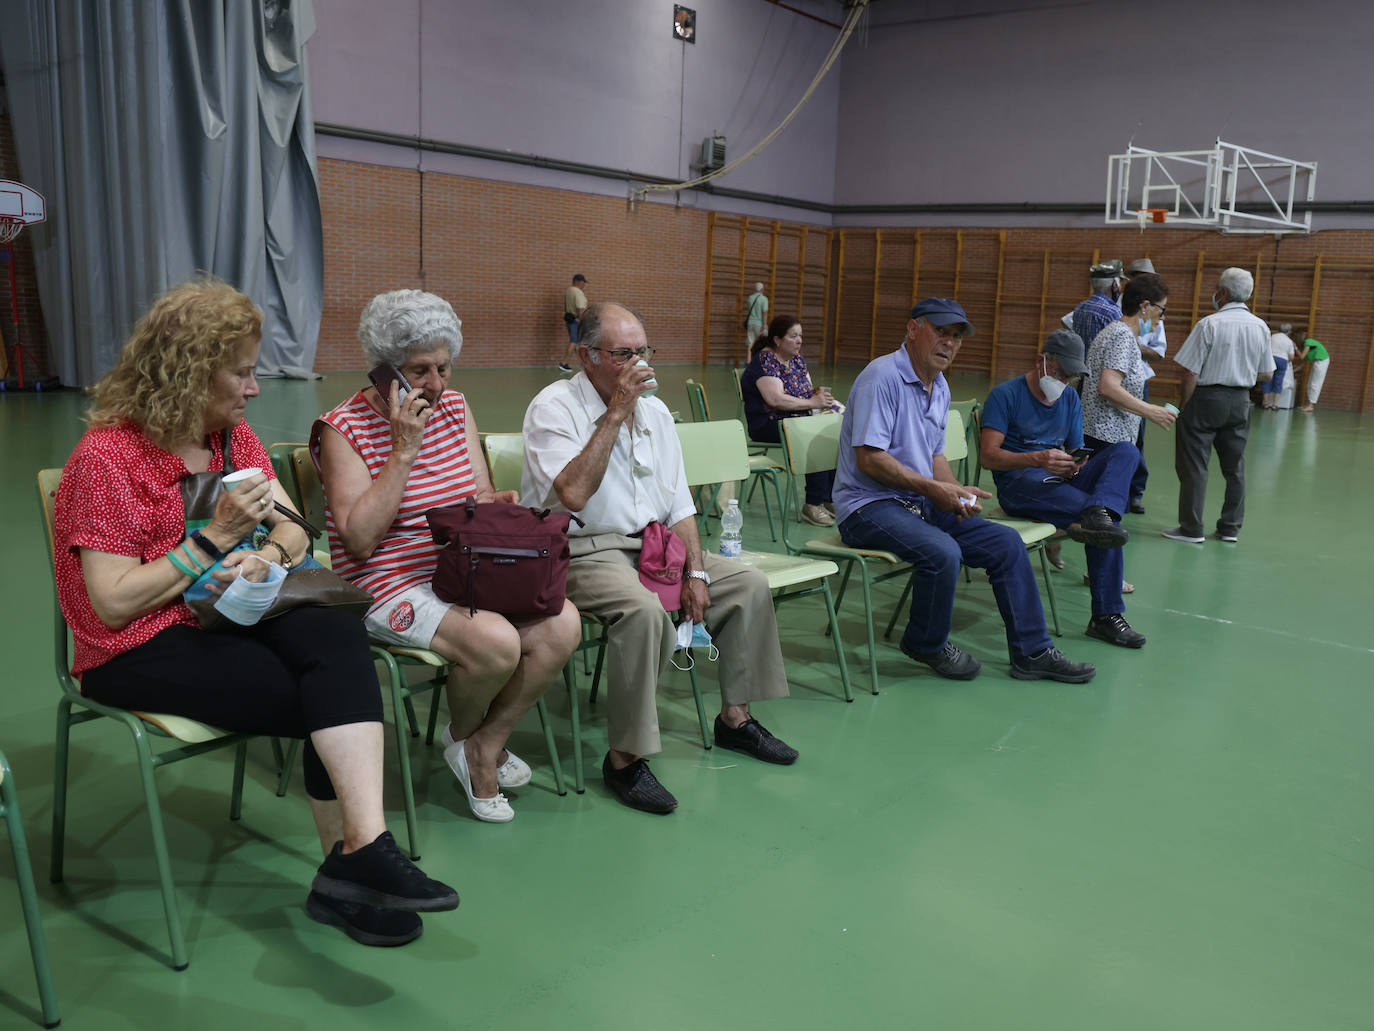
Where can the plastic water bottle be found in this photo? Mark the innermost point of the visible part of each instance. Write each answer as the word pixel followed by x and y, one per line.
pixel 731 523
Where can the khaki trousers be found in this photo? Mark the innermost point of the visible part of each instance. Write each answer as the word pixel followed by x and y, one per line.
pixel 603 581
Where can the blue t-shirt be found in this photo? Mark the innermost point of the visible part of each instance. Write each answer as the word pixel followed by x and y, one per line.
pixel 1030 425
pixel 889 409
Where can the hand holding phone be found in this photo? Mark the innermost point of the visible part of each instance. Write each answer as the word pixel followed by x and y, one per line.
pixel 1082 454
pixel 383 376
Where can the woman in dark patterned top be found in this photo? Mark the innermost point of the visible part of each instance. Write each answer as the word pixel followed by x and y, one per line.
pixel 777 385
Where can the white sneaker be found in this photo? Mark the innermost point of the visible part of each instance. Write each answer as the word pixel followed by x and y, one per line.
pixel 816 516
pixel 489 810
pixel 1177 534
pixel 513 773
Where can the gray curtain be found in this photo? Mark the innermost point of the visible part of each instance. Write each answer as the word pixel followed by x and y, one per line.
pixel 168 136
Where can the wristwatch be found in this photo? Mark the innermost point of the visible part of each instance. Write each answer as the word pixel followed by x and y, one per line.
pixel 699 574
pixel 206 545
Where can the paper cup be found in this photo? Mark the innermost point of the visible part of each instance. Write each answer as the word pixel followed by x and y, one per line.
pixel 1170 408
pixel 232 480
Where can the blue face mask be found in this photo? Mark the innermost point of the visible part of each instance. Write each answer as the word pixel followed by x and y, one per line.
pixel 1216 306
pixel 689 636
pixel 1146 325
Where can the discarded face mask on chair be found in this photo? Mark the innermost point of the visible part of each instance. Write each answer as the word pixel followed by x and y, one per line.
pixel 693 635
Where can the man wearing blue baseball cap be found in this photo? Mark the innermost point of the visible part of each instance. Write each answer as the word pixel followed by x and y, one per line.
pixel 895 491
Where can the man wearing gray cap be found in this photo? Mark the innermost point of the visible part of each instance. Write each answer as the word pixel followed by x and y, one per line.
pixel 1152 346
pixel 1103 305
pixel 1032 440
pixel 894 490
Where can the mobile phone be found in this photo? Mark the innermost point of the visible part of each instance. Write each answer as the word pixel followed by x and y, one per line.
pixel 383 376
pixel 1082 454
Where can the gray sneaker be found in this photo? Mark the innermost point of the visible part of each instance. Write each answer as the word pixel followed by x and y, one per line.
pixel 1052 665
pixel 950 662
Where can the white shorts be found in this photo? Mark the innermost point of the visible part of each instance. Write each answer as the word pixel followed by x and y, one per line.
pixel 410 619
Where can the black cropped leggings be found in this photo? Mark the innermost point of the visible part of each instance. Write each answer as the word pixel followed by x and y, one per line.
pixel 303 671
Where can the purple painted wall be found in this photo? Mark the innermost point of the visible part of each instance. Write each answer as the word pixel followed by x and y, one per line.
pixel 948 101
pixel 598 81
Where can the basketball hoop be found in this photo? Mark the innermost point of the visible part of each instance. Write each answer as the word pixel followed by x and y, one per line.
pixel 1147 215
pixel 20 206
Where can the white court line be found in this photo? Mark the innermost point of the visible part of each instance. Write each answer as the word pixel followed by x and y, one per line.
pixel 1269 630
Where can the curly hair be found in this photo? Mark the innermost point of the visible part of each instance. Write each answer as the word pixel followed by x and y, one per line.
pixel 162 379
pixel 399 323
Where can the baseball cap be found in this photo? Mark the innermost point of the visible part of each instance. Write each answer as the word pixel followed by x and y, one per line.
pixel 579 278
pixel 1140 265
pixel 1067 347
pixel 941 311
pixel 1106 270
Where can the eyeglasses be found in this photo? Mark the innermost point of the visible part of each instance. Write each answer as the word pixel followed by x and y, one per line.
pixel 1161 308
pixel 621 355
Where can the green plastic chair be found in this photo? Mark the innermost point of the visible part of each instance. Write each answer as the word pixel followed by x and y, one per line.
pixel 193 739
pixel 968 412
pixel 716 452
pixel 762 469
pixel 812 444
pixel 28 897
pixel 395 660
pixel 1035 535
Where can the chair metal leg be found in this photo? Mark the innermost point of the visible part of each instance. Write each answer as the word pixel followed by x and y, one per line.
pixel 868 625
pixel 552 747
pixel 180 959
pixel 835 639
pixel 1049 589
pixel 393 670
pixel 28 901
pixel 439 681
pixel 236 796
pixel 278 755
pixel 701 708
pixel 59 791
pixel 901 603
pixel 410 714
pixel 579 784
pixel 293 751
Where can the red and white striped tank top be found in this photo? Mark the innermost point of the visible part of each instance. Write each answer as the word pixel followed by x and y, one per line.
pixel 441 475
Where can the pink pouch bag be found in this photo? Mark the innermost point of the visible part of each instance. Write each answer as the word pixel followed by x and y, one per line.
pixel 661 562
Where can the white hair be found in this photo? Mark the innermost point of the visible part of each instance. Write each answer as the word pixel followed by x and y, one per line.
pixel 1285 327
pixel 1237 283
pixel 1103 285
pixel 399 323
pixel 758 287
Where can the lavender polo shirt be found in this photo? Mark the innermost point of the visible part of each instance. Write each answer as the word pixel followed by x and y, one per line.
pixel 889 409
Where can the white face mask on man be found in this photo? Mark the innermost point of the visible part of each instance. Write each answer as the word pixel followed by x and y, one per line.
pixel 1050 387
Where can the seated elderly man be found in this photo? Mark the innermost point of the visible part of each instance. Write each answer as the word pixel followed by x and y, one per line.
pixel 1032 440
pixel 894 490
pixel 599 446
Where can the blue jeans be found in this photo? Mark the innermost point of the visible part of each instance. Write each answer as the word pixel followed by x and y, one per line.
pixel 572 330
pixel 936 544
pixel 1105 480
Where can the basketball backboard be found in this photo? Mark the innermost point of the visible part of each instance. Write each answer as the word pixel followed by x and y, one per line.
pixel 1233 188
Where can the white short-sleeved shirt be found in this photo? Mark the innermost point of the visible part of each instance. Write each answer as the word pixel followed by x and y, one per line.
pixel 1229 348
pixel 645 480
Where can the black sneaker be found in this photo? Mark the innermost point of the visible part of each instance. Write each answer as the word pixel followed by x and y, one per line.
pixel 950 662
pixel 365 924
pixel 637 787
pixel 1051 665
pixel 380 875
pixel 1096 528
pixel 564 367
pixel 1114 629
pixel 751 738
pixel 1137 506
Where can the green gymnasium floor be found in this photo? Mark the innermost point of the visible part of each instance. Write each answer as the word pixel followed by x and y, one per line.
pixel 1186 842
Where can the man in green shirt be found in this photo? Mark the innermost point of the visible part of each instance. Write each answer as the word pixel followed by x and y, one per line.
pixel 1315 353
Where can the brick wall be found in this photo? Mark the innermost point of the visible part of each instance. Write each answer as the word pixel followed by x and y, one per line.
pixel 31 328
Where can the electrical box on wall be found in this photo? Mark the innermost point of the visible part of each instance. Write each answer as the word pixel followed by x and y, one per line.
pixel 712 153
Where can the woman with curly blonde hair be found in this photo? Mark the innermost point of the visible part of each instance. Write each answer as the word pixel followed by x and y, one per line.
pixel 125 555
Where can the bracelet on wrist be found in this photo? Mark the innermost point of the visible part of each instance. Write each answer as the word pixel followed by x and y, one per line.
pixel 191 558
pixel 285 555
pixel 206 545
pixel 180 566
